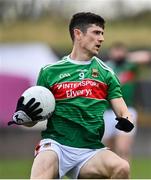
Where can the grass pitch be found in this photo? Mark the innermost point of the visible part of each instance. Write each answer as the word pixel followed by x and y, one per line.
pixel 20 169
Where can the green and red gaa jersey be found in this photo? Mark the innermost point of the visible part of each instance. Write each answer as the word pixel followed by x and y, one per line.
pixel 82 90
pixel 126 73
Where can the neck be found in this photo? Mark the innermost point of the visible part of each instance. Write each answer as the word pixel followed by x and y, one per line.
pixel 79 54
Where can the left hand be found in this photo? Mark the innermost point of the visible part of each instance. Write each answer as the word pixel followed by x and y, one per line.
pixel 26 113
pixel 124 124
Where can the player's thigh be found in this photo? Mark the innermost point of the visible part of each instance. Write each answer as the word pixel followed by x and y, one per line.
pixel 45 165
pixel 102 165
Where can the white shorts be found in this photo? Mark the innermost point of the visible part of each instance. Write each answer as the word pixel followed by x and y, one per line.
pixel 70 159
pixel 110 122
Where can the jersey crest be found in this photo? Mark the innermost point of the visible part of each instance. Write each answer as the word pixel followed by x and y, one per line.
pixel 95 72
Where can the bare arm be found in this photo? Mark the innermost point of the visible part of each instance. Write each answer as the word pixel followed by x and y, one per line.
pixel 120 108
pixel 124 118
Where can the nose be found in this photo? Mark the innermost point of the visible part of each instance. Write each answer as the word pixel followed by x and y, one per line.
pixel 101 38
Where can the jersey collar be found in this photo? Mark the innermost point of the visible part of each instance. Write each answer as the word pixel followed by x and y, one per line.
pixel 78 61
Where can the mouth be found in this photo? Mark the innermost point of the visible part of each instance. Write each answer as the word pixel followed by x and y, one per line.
pixel 98 46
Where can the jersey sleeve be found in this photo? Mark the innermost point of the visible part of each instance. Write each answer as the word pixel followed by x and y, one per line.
pixel 41 81
pixel 114 87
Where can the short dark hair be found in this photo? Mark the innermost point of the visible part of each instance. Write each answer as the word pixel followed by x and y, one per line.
pixel 83 20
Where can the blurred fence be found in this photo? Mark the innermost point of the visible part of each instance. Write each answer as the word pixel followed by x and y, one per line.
pixel 143 95
pixel 143 103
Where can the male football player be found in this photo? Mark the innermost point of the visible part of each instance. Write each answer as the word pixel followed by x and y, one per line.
pixel 82 85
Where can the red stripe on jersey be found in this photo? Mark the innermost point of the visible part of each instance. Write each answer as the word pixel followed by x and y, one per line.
pixel 86 88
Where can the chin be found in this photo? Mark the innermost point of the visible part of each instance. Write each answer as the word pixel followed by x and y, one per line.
pixel 95 53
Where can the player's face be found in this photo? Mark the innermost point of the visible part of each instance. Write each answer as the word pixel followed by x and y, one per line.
pixel 92 39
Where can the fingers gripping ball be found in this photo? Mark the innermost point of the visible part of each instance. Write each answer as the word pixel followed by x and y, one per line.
pixel 43 96
pixel 36 104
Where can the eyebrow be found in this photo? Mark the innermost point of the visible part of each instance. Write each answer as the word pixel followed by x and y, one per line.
pixel 102 32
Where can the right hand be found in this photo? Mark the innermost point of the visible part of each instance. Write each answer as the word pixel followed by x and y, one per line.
pixel 26 113
pixel 124 124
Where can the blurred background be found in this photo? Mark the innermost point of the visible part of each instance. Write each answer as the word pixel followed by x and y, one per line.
pixel 34 33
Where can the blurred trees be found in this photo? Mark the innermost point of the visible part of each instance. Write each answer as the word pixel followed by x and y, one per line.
pixel 11 10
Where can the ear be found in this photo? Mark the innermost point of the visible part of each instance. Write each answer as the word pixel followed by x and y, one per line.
pixel 77 34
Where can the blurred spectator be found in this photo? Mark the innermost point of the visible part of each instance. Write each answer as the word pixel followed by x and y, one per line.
pixel 124 65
